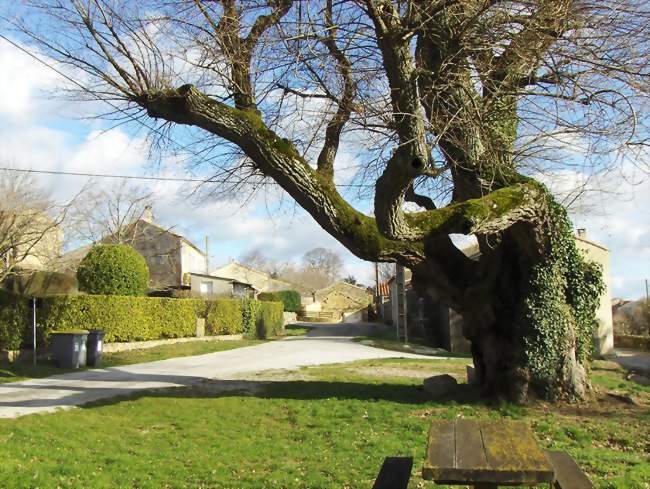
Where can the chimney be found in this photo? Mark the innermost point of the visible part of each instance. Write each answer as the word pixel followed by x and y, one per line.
pixel 582 233
pixel 147 214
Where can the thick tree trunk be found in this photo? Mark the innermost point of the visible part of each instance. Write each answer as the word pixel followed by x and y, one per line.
pixel 507 341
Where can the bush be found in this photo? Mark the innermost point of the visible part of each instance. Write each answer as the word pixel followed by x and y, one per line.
pixel 250 310
pixel 271 319
pixel 14 325
pixel 123 318
pixel 289 298
pixel 113 270
pixel 224 316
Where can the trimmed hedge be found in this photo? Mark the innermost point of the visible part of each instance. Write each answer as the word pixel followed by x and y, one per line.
pixel 224 316
pixel 631 341
pixel 123 318
pixel 127 318
pixel 261 319
pixel 15 320
pixel 113 270
pixel 14 325
pixel 290 299
pixel 271 319
pixel 250 311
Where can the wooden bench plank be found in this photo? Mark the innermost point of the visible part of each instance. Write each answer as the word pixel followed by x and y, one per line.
pixel 513 453
pixel 441 448
pixel 395 473
pixel 470 453
pixel 567 473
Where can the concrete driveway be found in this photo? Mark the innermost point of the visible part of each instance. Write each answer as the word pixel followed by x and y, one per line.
pixel 325 344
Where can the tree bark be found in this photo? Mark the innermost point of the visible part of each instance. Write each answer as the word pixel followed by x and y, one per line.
pixel 497 322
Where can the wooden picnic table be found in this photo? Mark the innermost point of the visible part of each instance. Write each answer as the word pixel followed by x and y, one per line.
pixel 485 453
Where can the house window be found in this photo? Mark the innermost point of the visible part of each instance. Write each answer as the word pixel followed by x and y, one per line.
pixel 206 288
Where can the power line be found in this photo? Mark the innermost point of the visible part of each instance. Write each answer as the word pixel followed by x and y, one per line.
pixel 144 177
pixel 129 177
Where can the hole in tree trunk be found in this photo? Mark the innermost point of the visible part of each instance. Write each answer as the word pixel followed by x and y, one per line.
pixel 467 243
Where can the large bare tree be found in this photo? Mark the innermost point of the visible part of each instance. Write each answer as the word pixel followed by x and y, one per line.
pixel 455 104
pixel 108 214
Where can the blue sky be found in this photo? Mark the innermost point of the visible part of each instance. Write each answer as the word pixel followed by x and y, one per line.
pixel 40 133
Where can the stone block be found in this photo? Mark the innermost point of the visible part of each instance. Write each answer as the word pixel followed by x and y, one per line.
pixel 439 385
pixel 471 374
pixel 200 327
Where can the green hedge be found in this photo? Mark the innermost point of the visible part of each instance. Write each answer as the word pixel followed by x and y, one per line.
pixel 261 319
pixel 128 318
pixel 15 320
pixel 14 325
pixel 290 299
pixel 224 316
pixel 250 314
pixel 123 318
pixel 271 319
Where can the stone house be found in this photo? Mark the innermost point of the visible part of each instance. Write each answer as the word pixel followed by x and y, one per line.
pixel 260 281
pixel 174 261
pixel 341 300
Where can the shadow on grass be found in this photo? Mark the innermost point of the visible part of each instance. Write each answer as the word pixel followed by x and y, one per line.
pixel 306 391
pixel 127 386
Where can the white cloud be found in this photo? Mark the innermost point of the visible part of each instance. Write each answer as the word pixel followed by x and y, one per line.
pixel 22 78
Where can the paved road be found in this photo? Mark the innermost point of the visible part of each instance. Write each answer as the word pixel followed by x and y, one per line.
pixel 632 359
pixel 323 345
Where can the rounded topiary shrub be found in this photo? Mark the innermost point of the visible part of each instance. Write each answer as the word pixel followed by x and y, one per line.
pixel 113 270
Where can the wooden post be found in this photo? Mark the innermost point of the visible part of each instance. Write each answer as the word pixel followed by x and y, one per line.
pixel 401 303
pixel 34 327
pixel 207 257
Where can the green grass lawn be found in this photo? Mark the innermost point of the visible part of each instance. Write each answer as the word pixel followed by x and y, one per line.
pixel 44 368
pixel 322 427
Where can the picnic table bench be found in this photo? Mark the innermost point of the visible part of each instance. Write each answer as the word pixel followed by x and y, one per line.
pixel 485 453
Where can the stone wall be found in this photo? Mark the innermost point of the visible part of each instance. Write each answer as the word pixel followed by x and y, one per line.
pixel 289 318
pixel 138 345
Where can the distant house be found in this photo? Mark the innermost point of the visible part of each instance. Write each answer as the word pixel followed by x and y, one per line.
pixel 174 261
pixel 209 285
pixel 261 281
pixel 341 299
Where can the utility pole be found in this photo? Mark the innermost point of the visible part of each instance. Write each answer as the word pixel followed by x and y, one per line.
pixel 207 257
pixel 378 302
pixel 647 305
pixel 34 327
